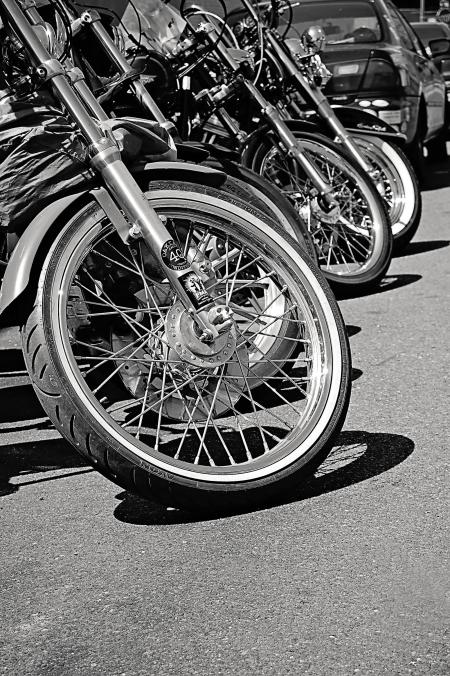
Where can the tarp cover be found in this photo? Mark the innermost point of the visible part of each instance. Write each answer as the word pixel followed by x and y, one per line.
pixel 41 158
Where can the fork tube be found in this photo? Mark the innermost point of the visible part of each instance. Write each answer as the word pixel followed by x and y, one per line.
pixel 318 99
pixel 289 140
pixel 251 10
pixel 75 74
pixel 276 121
pixel 106 159
pixel 93 20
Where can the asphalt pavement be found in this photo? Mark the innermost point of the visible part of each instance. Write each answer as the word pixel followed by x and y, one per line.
pixel 349 577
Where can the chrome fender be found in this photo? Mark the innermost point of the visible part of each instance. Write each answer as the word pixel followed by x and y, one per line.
pixel 36 240
pixel 359 122
pixel 263 132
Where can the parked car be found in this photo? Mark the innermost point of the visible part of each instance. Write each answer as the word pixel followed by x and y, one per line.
pixel 433 34
pixel 379 64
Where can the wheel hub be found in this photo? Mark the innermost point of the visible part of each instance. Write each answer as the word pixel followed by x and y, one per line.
pixel 222 368
pixel 183 338
pixel 330 217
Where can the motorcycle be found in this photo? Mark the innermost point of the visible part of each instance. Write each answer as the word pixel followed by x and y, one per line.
pixel 344 213
pixel 295 75
pixel 123 78
pixel 185 346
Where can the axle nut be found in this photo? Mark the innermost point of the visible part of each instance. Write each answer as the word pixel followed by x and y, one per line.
pixel 219 315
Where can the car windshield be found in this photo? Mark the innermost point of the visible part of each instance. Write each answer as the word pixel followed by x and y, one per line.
pixel 342 22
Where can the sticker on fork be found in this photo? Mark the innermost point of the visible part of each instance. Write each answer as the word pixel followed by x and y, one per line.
pixel 173 257
pixel 195 289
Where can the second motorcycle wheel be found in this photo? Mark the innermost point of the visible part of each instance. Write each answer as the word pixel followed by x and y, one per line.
pixel 353 240
pixel 397 183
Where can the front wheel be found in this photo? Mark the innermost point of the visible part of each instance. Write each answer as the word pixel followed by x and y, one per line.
pixel 354 240
pixel 115 362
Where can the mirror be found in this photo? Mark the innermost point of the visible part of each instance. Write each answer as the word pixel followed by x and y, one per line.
pixel 313 39
pixel 439 47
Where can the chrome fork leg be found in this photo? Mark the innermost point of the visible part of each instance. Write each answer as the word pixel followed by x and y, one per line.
pixel 105 158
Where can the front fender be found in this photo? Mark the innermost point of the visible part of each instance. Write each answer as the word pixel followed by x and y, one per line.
pixel 179 171
pixel 33 245
pixel 359 122
pixel 28 251
pixel 254 139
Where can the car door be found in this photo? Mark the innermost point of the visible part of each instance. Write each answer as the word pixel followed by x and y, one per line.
pixel 430 81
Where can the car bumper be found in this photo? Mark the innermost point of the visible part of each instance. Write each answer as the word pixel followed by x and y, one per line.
pixel 401 113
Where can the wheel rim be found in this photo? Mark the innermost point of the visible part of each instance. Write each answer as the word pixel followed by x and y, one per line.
pixel 237 423
pixel 396 182
pixel 351 243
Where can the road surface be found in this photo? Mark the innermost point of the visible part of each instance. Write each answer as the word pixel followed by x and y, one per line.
pixel 349 577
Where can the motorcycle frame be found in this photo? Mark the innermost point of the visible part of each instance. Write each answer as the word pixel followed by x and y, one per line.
pixel 104 155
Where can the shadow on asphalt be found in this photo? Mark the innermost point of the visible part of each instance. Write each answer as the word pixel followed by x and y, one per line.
pixel 352 330
pixel 11 361
pixel 389 283
pixel 19 404
pixel 414 248
pixel 357 457
pixel 19 460
pixel 436 175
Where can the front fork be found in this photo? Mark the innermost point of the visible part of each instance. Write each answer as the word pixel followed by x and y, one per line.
pixel 319 102
pixel 211 319
pixel 293 146
pixel 274 118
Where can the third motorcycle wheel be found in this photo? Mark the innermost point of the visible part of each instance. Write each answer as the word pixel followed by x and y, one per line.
pixel 398 184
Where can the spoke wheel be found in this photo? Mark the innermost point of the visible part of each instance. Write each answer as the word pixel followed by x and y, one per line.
pixel 157 410
pixel 354 241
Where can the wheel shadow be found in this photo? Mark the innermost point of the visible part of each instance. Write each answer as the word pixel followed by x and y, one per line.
pixel 11 362
pixel 358 456
pixel 389 283
pixel 352 330
pixel 436 176
pixel 414 248
pixel 19 460
pixel 20 411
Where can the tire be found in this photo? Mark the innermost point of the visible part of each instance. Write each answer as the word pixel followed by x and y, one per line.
pixel 217 438
pixel 271 201
pixel 398 184
pixel 350 260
